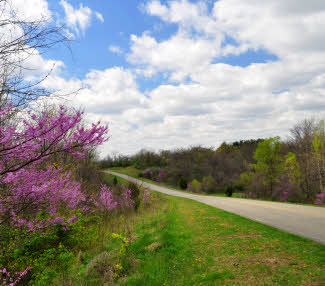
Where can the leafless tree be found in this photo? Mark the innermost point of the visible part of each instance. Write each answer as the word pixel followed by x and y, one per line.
pixel 21 38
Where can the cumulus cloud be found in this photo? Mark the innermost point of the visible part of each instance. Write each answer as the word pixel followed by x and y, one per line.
pixel 222 101
pixel 32 10
pixel 282 26
pixel 79 19
pixel 204 100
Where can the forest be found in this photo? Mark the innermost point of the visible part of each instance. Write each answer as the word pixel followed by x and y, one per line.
pixel 291 170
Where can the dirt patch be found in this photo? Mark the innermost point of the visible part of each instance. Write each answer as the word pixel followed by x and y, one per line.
pixel 154 246
pixel 210 217
pixel 246 236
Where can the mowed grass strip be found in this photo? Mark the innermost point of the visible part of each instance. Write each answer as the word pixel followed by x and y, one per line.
pixel 190 243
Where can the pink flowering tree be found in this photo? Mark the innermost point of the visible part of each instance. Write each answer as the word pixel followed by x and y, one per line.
pixel 320 198
pixel 107 201
pixel 28 185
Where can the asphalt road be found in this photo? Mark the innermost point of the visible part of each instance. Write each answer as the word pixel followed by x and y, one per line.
pixel 306 221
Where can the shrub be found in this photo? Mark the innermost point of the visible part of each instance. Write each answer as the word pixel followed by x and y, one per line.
pixel 182 183
pixel 195 186
pixel 209 184
pixel 229 191
pixel 101 266
pixel 320 199
pixel 135 192
pixel 115 181
pixel 161 176
pixel 147 173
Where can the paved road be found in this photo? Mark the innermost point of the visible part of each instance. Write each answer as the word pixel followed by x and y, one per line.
pixel 306 221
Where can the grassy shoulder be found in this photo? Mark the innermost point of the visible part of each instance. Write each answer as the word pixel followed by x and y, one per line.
pixel 176 241
pixel 190 243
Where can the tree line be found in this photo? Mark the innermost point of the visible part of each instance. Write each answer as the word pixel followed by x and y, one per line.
pixel 286 170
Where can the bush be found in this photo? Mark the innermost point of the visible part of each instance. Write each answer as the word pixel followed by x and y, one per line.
pixel 115 181
pixel 195 186
pixel 182 183
pixel 209 184
pixel 135 192
pixel 229 191
pixel 147 173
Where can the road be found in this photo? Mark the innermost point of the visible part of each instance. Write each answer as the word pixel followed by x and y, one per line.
pixel 306 221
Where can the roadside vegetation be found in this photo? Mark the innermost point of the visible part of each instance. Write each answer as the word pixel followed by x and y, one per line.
pixel 290 170
pixel 183 242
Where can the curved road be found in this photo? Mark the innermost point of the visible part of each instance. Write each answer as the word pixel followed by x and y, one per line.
pixel 306 221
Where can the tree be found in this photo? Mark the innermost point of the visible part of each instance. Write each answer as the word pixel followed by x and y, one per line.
pixel 292 168
pixel 269 161
pixel 20 39
pixel 209 184
pixel 301 144
pixel 319 151
pixel 29 185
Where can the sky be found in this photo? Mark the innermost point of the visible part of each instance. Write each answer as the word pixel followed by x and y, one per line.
pixel 179 73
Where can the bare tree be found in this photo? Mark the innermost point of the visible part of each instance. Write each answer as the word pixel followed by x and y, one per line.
pixel 20 39
pixel 301 143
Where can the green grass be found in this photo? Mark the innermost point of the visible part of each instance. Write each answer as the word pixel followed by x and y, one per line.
pixel 176 241
pixel 190 243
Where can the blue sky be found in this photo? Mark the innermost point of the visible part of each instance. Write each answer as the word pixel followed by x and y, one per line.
pixel 122 19
pixel 176 73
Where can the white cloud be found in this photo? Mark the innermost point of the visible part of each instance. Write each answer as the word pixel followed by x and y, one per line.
pixel 225 102
pixel 282 26
pixel 115 49
pixel 211 101
pixel 76 19
pixel 99 16
pixel 181 54
pixel 79 19
pixel 32 10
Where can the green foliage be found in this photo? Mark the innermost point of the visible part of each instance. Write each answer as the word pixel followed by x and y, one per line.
pixel 195 186
pixel 269 161
pixel 182 183
pixel 115 181
pixel 292 168
pixel 246 178
pixel 229 190
pixel 209 184
pixel 318 146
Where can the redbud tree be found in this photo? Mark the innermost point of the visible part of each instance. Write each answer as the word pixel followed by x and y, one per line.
pixel 29 186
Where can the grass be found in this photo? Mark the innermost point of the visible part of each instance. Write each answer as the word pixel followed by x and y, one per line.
pixel 176 241
pixel 190 243
pixel 97 258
